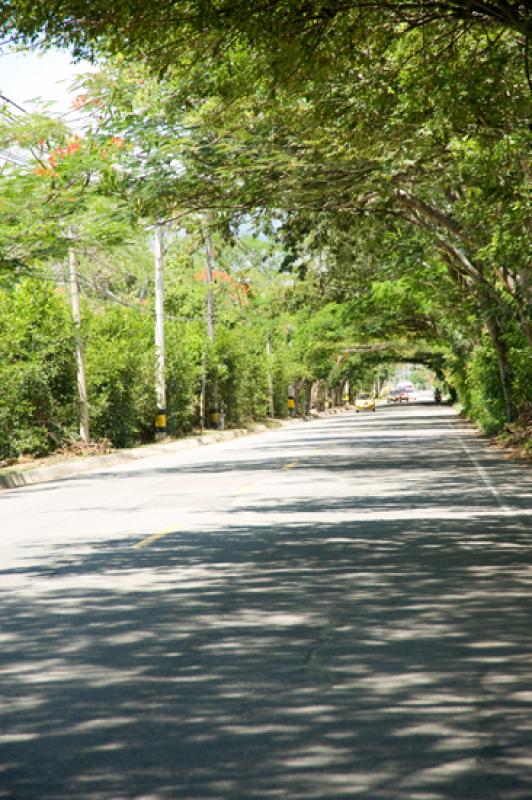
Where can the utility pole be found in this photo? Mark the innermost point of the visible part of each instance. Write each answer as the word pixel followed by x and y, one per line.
pixel 291 389
pixel 210 297
pixel 214 415
pixel 160 385
pixel 84 429
pixel 203 397
pixel 345 397
pixel 270 378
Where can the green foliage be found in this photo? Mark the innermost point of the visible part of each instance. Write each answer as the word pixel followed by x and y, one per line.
pixel 184 347
pixel 484 400
pixel 384 146
pixel 37 370
pixel 120 367
pixel 57 187
pixel 477 380
pixel 242 374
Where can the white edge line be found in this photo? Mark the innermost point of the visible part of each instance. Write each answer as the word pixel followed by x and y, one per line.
pixel 482 472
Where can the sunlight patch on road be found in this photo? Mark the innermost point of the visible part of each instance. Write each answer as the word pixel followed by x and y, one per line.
pixel 15 738
pixel 272 513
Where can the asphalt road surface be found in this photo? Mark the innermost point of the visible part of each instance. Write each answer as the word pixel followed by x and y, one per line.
pixel 341 609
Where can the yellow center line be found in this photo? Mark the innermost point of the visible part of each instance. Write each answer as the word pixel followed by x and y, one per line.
pixel 246 487
pixel 241 490
pixel 153 538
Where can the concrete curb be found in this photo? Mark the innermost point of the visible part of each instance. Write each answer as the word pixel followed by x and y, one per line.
pixel 76 466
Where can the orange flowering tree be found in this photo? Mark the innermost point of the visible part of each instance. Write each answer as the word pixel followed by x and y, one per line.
pixel 52 181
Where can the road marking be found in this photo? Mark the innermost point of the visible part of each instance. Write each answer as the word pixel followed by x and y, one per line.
pixel 246 487
pixel 153 538
pixel 292 464
pixel 482 473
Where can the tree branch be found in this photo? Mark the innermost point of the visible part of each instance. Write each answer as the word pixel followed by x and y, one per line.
pixel 471 270
pixel 431 213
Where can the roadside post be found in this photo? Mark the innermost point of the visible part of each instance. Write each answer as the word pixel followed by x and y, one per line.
pixel 291 401
pixel 160 417
pixel 84 427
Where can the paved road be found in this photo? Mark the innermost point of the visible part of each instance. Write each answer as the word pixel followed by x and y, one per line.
pixel 337 610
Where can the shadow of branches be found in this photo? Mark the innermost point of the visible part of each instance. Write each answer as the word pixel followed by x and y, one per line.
pixel 388 660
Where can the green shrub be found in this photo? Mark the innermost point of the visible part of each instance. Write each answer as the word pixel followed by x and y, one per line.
pixel 242 374
pixel 486 402
pixel 479 386
pixel 38 408
pixel 184 344
pixel 120 366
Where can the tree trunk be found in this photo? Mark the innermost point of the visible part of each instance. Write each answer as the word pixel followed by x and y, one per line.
pixel 271 397
pixel 501 353
pixel 314 394
pixel 525 323
pixel 84 427
pixel 299 387
pixel 489 304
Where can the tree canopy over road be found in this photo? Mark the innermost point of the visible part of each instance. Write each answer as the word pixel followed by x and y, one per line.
pixel 90 24
pixel 381 148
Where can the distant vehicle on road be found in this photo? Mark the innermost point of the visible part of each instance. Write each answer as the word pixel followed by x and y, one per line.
pixel 437 395
pixel 394 396
pixel 406 394
pixel 364 402
pixel 406 391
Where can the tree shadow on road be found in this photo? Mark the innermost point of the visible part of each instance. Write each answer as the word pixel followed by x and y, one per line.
pixel 378 659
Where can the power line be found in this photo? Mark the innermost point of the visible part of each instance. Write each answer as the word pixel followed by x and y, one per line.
pixel 18 161
pixel 102 293
pixel 108 293
pixel 13 103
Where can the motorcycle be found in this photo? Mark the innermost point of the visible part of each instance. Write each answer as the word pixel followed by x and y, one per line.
pixel 437 396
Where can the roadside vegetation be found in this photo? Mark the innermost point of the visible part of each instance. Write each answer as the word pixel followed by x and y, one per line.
pixel 361 170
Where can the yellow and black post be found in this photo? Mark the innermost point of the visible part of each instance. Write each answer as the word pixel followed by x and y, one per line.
pixel 291 401
pixel 160 381
pixel 160 423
